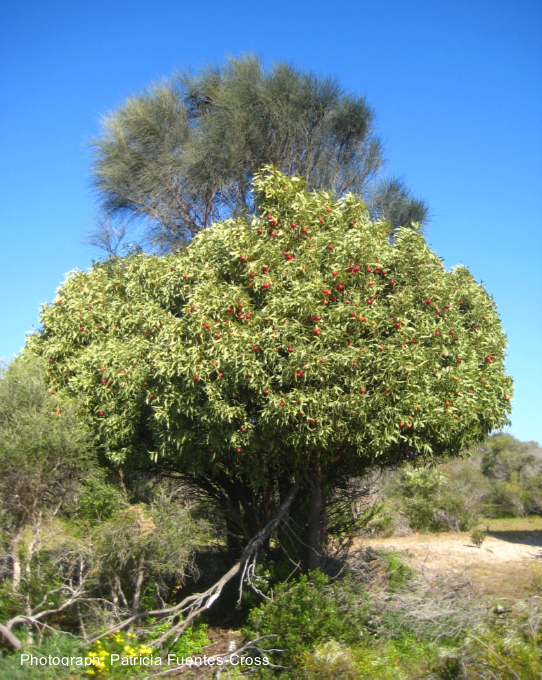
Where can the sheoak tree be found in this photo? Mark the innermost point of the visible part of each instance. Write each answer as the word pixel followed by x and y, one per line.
pixel 182 154
pixel 303 343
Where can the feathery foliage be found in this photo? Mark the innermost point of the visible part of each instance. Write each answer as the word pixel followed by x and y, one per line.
pixel 183 153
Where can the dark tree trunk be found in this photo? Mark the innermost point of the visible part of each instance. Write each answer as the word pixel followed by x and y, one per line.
pixel 316 519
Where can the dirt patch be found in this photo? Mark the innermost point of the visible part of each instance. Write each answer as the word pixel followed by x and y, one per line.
pixel 508 564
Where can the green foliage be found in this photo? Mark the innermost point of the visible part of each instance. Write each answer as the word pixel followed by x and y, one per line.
pixel 478 536
pixel 435 501
pixel 257 349
pixel 56 644
pixel 511 646
pixel 99 499
pixel 514 470
pixel 182 154
pixel 148 550
pixel 308 611
pixel 44 451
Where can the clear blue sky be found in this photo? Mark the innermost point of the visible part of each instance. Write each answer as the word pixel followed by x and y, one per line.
pixel 457 87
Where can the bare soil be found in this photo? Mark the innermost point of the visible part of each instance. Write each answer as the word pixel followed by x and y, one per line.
pixel 508 564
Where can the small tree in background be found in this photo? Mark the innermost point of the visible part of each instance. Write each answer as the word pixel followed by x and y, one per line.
pixel 183 153
pixel 301 344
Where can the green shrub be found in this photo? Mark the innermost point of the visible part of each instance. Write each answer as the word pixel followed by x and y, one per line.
pixel 478 536
pixel 308 612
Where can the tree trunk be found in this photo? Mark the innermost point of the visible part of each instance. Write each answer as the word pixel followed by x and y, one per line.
pixel 140 574
pixel 316 523
pixel 15 561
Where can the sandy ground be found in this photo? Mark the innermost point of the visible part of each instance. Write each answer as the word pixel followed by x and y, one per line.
pixel 509 563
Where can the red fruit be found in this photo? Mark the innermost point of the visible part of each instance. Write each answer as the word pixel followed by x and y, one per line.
pixel 362 390
pixel 220 375
pixel 294 225
pixel 102 380
pixel 369 302
pixel 265 286
pixel 351 224
pixel 51 361
pixel 290 349
pixel 242 258
pixel 255 348
pixel 266 391
pixel 218 336
pixel 282 403
pixel 398 325
pixel 339 287
pixel 428 302
pixel 507 399
pixel 452 332
pixel 323 361
pixel 238 450
pixel 362 318
pixel 247 316
pixel 353 315
pixel 401 424
pixel 101 328
pixel 318 318
pixel 252 275
pixel 331 247
pixel 52 391
pixel 328 210
pixel 313 422
pixel 387 389
pixel 80 328
pixel 207 326
pixel 147 332
pixel 273 233
pixel 304 230
pixel 101 413
pixel 437 333
pixel 196 378
pixel 60 302
pixel 446 306
pixel 438 311
pixel 316 331
pixel 151 396
pixel 459 361
pixel 320 219
pixel 447 403
pixel 334 273
pixel 185 276
pixel 299 374
pixel 356 268
pixel 259 231
pixel 371 283
pixel 355 364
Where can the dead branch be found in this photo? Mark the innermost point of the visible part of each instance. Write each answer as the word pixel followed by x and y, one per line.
pixel 10 638
pixel 193 605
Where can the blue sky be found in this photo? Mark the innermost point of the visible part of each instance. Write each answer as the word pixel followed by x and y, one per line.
pixel 457 87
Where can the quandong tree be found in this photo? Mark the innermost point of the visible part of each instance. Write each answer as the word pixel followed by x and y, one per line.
pixel 308 342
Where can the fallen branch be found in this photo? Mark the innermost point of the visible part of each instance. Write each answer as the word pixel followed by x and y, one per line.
pixel 10 638
pixel 195 604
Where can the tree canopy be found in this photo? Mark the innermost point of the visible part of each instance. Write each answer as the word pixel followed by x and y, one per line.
pixel 182 154
pixel 302 337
